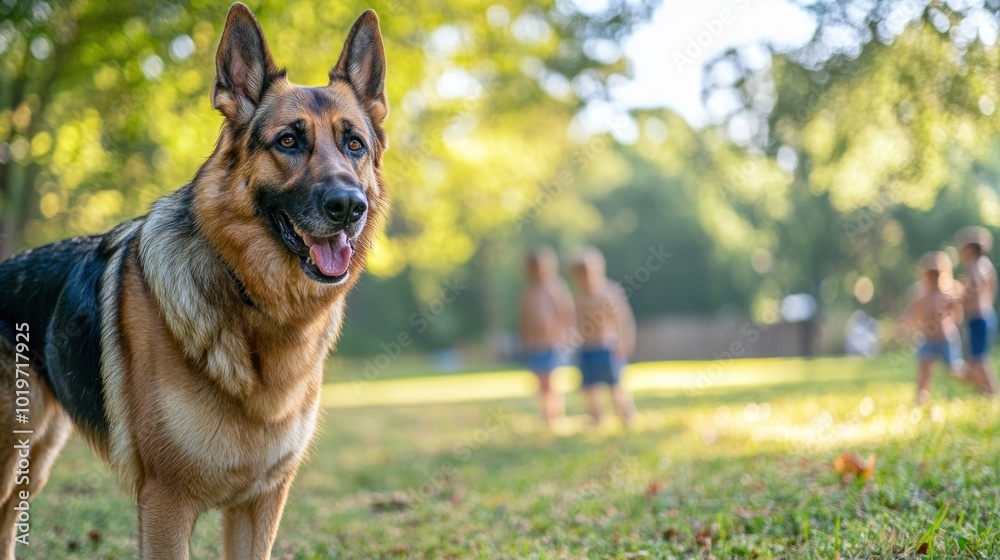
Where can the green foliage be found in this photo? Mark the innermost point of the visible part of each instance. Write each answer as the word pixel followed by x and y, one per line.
pixel 113 112
pixel 844 159
pixel 885 126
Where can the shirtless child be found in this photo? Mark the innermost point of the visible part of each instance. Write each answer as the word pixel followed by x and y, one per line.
pixel 934 312
pixel 547 316
pixel 980 280
pixel 606 329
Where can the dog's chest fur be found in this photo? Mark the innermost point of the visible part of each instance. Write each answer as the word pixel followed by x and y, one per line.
pixel 228 401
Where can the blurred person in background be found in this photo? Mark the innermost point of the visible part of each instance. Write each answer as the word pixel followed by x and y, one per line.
pixel 935 312
pixel 861 335
pixel 547 316
pixel 980 282
pixel 606 332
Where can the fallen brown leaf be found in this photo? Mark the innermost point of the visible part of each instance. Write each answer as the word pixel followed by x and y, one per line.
pixel 922 549
pixel 850 464
pixel 704 535
pixel 654 488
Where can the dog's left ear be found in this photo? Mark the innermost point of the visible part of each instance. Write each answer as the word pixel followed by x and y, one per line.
pixel 362 64
pixel 243 66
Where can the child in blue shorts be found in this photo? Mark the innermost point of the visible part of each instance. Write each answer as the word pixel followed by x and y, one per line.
pixel 935 312
pixel 547 316
pixel 978 299
pixel 606 332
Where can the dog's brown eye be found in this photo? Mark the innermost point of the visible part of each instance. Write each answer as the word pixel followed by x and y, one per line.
pixel 354 144
pixel 287 141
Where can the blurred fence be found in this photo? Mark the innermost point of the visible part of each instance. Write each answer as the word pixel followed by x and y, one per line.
pixel 701 338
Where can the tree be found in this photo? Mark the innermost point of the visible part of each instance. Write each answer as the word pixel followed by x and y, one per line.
pixel 885 120
pixel 105 107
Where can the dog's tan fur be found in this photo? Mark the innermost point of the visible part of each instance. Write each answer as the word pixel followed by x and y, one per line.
pixel 213 343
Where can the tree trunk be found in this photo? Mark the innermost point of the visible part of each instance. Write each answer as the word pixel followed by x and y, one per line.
pixel 9 184
pixel 17 184
pixel 22 199
pixel 491 302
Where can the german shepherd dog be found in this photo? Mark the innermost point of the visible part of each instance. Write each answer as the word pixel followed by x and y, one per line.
pixel 187 346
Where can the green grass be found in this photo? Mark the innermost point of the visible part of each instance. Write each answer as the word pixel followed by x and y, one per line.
pixel 726 460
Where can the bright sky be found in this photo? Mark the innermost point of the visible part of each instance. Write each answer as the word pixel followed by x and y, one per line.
pixel 669 52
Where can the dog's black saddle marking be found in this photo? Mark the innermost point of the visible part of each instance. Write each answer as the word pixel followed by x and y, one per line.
pixel 55 289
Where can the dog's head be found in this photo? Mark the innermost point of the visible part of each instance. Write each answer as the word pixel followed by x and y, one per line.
pixel 307 158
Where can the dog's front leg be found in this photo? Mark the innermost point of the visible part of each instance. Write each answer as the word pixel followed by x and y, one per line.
pixel 166 521
pixel 250 527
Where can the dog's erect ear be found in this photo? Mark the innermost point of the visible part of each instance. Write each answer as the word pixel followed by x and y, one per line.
pixel 243 66
pixel 362 64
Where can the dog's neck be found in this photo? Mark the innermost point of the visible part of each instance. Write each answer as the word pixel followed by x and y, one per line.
pixel 240 286
pixel 197 290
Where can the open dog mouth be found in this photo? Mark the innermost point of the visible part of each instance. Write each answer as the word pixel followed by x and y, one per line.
pixel 324 259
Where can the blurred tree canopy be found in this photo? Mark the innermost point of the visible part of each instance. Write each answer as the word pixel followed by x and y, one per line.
pixel 885 127
pixel 105 107
pixel 830 164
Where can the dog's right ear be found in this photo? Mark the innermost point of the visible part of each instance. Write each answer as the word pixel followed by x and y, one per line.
pixel 362 64
pixel 243 66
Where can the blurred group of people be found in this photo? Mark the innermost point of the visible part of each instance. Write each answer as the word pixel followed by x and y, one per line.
pixel 941 303
pixel 596 330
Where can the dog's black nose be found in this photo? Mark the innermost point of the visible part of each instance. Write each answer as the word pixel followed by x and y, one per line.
pixel 345 206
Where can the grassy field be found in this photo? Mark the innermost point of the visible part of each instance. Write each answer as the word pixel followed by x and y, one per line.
pixel 726 460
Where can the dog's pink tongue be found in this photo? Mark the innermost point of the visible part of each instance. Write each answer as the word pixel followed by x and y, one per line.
pixel 331 254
